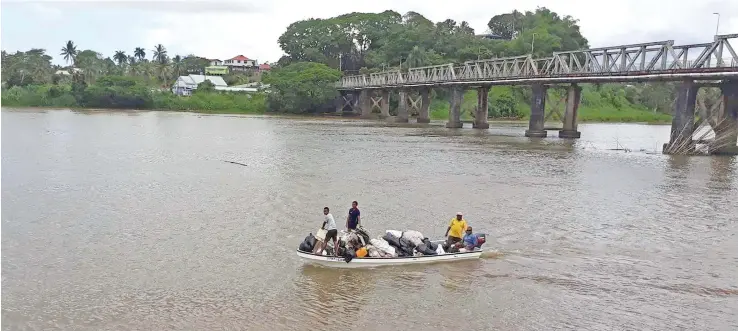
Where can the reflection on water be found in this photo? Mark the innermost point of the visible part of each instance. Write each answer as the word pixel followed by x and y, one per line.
pixel 121 221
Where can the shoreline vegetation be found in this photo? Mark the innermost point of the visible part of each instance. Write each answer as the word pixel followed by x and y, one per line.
pixel 303 81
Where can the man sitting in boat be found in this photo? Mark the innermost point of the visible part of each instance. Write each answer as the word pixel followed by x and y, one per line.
pixel 471 240
pixel 455 229
pixel 354 217
pixel 332 232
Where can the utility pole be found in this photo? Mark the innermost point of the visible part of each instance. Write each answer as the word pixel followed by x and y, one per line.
pixel 531 42
pixel 717 27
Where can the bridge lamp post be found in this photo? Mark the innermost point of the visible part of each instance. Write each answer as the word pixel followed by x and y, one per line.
pixel 717 26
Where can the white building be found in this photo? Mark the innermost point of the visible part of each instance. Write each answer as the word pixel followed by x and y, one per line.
pixel 237 63
pixel 186 84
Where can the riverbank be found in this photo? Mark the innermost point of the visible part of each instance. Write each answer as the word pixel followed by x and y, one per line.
pixel 506 105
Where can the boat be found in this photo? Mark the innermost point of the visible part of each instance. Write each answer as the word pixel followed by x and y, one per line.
pixel 371 262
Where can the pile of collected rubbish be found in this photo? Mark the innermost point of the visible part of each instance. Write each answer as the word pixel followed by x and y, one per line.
pixel 393 243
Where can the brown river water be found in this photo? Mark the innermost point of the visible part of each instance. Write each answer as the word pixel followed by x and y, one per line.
pixel 132 221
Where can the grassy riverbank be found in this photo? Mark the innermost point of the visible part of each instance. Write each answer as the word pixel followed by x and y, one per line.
pixel 505 103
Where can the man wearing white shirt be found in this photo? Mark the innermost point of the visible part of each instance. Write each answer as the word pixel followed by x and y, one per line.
pixel 332 232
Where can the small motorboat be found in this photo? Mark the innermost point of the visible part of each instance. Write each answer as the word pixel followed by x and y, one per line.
pixel 371 262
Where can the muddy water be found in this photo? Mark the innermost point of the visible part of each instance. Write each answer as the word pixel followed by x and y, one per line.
pixel 132 221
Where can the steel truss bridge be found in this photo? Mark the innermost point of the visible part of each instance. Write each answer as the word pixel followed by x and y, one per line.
pixel 653 61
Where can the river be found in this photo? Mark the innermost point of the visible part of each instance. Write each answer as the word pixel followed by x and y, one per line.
pixel 133 221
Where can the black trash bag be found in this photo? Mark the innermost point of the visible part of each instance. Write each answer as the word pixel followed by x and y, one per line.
pixel 425 250
pixel 363 234
pixel 407 246
pixel 308 244
pixel 430 244
pixel 392 240
pixel 349 255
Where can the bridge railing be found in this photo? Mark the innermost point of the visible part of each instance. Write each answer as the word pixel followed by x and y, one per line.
pixel 645 58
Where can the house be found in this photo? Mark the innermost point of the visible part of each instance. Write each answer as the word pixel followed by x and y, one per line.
pixel 67 72
pixel 265 67
pixel 186 84
pixel 240 63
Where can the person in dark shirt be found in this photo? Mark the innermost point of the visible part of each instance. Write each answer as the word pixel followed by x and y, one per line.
pixel 354 217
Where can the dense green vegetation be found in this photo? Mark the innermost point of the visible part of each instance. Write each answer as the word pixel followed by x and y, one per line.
pixel 316 52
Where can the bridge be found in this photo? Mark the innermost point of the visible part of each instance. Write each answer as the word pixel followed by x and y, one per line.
pixel 711 64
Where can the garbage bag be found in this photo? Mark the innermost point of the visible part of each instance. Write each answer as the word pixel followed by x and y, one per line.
pixel 349 255
pixel 440 250
pixel 308 244
pixel 430 244
pixel 425 250
pixel 414 236
pixel 392 240
pixel 407 246
pixel 395 233
pixel 383 246
pixel 363 234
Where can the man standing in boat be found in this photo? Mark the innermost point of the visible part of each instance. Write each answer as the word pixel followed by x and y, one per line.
pixel 354 217
pixel 456 229
pixel 331 231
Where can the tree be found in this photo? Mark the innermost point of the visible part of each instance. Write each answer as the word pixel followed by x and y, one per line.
pixel 139 53
pixel 69 51
pixel 177 64
pixel 26 68
pixel 302 87
pixel 160 54
pixel 120 57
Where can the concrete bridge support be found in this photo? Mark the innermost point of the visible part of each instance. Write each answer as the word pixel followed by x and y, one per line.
pixel 365 103
pixel 454 111
pixel 402 112
pixel 384 104
pixel 424 113
pixel 481 114
pixel 573 98
pixel 682 124
pixel 537 112
pixel 726 130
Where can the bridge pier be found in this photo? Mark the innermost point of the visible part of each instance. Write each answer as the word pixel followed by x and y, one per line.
pixel 454 111
pixel 365 103
pixel 573 98
pixel 481 114
pixel 682 124
pixel 384 104
pixel 537 112
pixel 402 112
pixel 423 113
pixel 726 130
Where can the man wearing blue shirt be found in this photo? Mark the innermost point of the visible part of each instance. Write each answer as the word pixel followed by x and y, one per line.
pixel 354 217
pixel 470 240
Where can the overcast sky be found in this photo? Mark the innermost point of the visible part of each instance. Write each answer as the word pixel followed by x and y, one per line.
pixel 223 29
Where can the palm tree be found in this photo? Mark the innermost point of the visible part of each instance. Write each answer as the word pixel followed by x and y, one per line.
pixel 160 53
pixel 69 51
pixel 178 63
pixel 120 57
pixel 139 53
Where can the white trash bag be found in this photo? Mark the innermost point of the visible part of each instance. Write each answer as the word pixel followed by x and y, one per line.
pixel 383 246
pixel 415 237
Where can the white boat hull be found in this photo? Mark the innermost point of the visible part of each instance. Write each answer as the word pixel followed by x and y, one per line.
pixel 370 262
